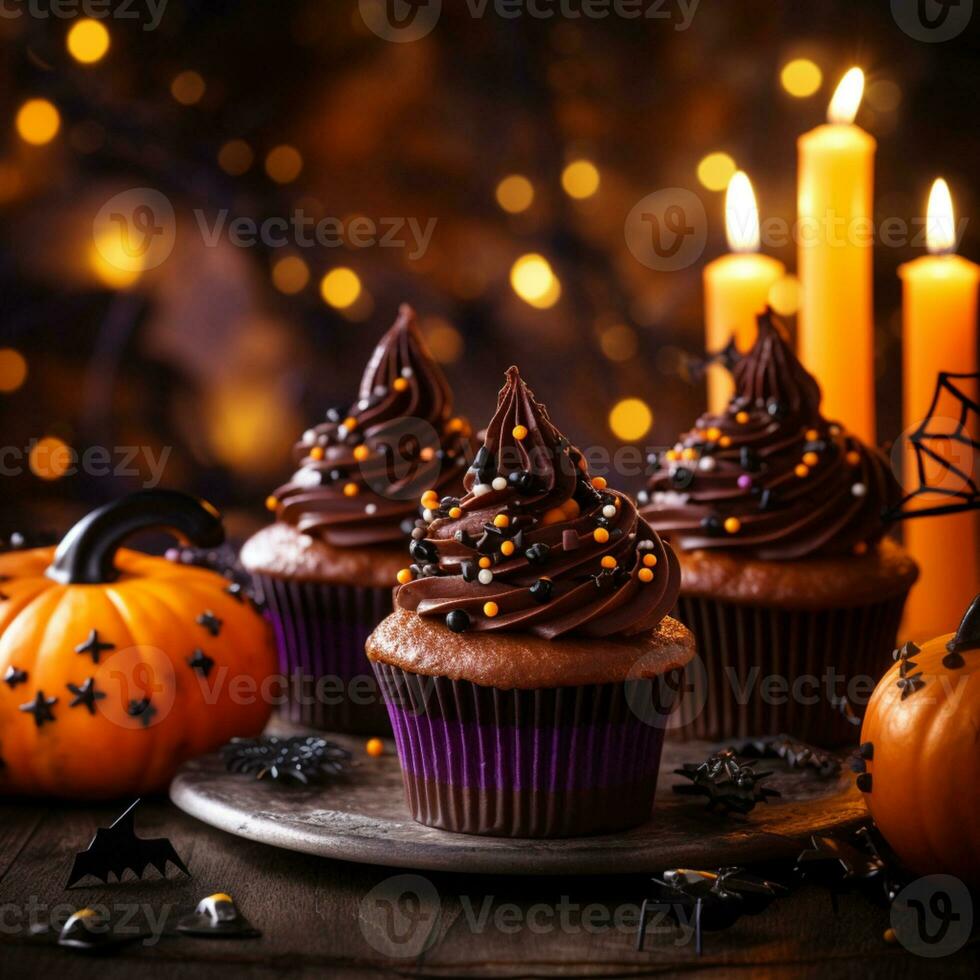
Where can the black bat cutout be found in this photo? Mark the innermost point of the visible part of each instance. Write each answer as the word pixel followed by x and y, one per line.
pixel 116 849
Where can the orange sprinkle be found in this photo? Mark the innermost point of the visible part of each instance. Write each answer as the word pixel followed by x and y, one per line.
pixel 853 457
pixel 519 432
pixel 430 499
pixel 725 442
pixel 501 520
pixel 601 535
pixel 553 516
pixel 317 453
pixel 733 525
pixel 428 454
pixel 490 609
pixel 689 453
pixel 455 425
pixel 599 482
pixel 571 508
pixel 812 435
pixel 608 561
pixel 374 747
pixel 455 512
pixel 350 422
pixel 811 459
pixel 507 549
pixel 645 575
pixel 361 453
pixel 351 489
pixel 485 562
pixel 802 470
pixel 271 503
pixel 713 433
pixel 860 548
pixel 649 560
pixel 400 384
pixel 672 454
pixel 404 576
pixel 741 417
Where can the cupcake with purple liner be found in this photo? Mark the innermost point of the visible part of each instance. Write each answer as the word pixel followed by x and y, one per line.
pixel 325 567
pixel 530 665
pixel 777 517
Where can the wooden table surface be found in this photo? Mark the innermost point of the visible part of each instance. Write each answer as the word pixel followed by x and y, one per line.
pixel 330 918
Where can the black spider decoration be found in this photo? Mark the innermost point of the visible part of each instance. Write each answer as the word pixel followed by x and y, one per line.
pixel 729 785
pixel 796 754
pixel 712 900
pixel 299 759
pixel 967 494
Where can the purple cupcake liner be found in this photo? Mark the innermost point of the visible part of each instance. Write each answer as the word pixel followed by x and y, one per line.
pixel 320 631
pixel 555 762
pixel 768 671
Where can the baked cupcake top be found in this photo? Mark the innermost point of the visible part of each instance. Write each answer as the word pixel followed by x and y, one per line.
pixel 361 471
pixel 771 478
pixel 535 545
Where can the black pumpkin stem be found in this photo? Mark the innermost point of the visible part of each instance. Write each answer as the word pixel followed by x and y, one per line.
pixel 87 552
pixel 968 635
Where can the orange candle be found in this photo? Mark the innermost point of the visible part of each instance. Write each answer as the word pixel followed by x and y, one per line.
pixel 939 320
pixel 736 286
pixel 835 233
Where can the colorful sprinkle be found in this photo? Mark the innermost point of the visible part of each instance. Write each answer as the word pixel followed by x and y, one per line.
pixel 361 453
pixel 271 503
pixel 400 384
pixel 485 576
pixel 713 434
pixel 404 576
pixel 741 417
pixel 812 435
pixel 490 609
pixel 351 489
pixel 811 459
pixel 609 511
pixel 317 453
pixel 428 454
pixel 455 425
pixel 689 453
pixel 430 499
pixel 649 561
pixel 455 512
pixel 501 520
pixel 707 463
pixel 507 548
pixel 853 457
pixel 645 575
pixel 571 508
pixel 553 516
pixel 859 489
pixel 601 535
pixel 744 481
pixel 519 432
pixel 350 423
pixel 861 548
pixel 374 747
pixel 802 470
pixel 485 562
pixel 725 442
pixel 499 483
pixel 733 525
pixel 608 561
pixel 599 482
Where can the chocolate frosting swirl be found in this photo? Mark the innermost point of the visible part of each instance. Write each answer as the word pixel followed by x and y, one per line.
pixel 535 545
pixel 360 472
pixel 771 477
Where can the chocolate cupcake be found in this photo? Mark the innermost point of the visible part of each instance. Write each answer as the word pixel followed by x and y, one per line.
pixel 326 566
pixel 530 666
pixel 788 581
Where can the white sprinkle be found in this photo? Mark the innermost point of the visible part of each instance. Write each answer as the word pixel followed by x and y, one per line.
pixel 407 372
pixel 645 545
pixel 485 576
pixel 427 514
pixel 609 511
pixel 479 489
pixel 309 437
pixel 499 483
pixel 363 404
pixel 305 541
pixel 707 463
pixel 835 430
pixel 380 391
pixel 370 508
pixel 859 489
pixel 678 446
pixel 342 432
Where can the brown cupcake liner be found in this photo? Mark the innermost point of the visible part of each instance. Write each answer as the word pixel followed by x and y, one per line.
pixel 556 762
pixel 768 671
pixel 320 631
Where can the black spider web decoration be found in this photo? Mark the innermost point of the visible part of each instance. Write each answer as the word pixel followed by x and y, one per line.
pixel 967 497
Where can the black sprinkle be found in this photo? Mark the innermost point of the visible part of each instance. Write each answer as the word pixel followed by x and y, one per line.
pixel 953 660
pixel 423 551
pixel 765 499
pixel 210 622
pixel 867 750
pixel 470 571
pixel 711 524
pixel 525 483
pixel 141 709
pixel 749 459
pixel 864 782
pixel 458 621
pixel 235 591
pixel 682 478
pixel 537 554
pixel 775 409
pixel 200 662
pixel 542 589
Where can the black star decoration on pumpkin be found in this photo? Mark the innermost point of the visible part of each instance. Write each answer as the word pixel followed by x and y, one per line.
pixel 201 662
pixel 94 646
pixel 210 622
pixel 141 709
pixel 86 695
pixel 3 595
pixel 14 676
pixel 40 708
pixel 910 683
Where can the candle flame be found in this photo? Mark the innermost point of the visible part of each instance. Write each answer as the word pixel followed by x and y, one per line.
pixel 741 215
pixel 847 97
pixel 940 223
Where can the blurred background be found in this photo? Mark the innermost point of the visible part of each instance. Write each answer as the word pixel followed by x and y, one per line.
pixel 441 165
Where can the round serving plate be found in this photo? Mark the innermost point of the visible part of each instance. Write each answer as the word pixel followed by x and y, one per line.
pixel 363 818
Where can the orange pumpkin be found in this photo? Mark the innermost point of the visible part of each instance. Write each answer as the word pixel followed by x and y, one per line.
pixel 921 750
pixel 116 666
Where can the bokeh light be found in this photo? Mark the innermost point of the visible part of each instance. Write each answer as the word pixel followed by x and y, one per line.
pixel 630 419
pixel 88 41
pixel 38 122
pixel 444 341
pixel 884 95
pixel 283 164
pixel 716 170
pixel 235 157
pixel 13 369
pixel 801 77
pixel 340 288
pixel 50 458
pixel 784 295
pixel 533 279
pixel 515 193
pixel 290 274
pixel 618 342
pixel 188 88
pixel 112 264
pixel 580 179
